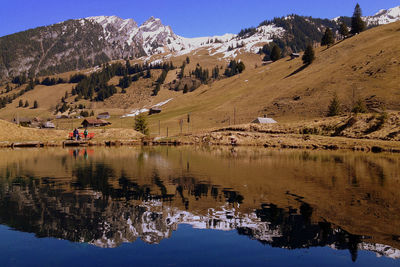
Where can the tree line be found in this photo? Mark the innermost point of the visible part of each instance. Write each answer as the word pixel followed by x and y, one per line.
pixel 10 98
pixel 166 68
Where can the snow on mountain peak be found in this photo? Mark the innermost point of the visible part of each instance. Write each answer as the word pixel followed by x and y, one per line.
pixel 384 16
pixel 152 23
pixel 116 28
pixel 394 12
pixel 104 21
pixel 155 38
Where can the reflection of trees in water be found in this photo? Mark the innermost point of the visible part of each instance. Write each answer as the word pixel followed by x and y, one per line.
pixel 94 176
pixel 106 211
pixel 297 230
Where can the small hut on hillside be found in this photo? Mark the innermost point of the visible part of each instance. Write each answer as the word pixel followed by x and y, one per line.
pixel 22 121
pixel 48 125
pixel 37 122
pixel 294 55
pixel 103 116
pixel 94 123
pixel 264 120
pixel 154 110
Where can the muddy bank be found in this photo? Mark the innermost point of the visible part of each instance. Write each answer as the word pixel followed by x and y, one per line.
pixel 67 143
pixel 292 141
pixel 234 138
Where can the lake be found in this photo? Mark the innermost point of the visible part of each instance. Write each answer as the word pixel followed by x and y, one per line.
pixel 197 206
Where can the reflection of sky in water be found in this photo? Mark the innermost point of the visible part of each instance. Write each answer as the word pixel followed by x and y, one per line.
pixel 188 207
pixel 186 247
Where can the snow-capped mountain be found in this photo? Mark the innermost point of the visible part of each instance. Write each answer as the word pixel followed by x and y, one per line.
pixel 155 38
pixel 384 17
pixel 89 42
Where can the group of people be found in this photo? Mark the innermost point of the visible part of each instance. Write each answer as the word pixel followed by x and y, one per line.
pixel 76 134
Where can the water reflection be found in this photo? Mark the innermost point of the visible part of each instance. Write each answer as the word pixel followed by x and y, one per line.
pixel 288 200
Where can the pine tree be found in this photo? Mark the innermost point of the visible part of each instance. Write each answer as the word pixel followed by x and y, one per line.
pixel 359 107
pixel 21 103
pixel 125 82
pixel 215 72
pixel 357 24
pixel 334 106
pixel 148 74
pixel 182 72
pixel 84 113
pixel 156 89
pixel 309 55
pixel 187 60
pixel 327 39
pixel 35 104
pixel 276 53
pixel 343 30
pixel 26 104
pixel 185 89
pixel 127 65
pixel 141 124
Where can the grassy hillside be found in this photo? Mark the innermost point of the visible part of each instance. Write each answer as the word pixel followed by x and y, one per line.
pixel 366 66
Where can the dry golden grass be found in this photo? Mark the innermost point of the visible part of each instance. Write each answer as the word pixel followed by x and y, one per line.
pixel 360 67
pixel 368 63
pixel 10 132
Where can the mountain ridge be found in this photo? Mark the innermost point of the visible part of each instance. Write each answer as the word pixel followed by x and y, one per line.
pixel 92 41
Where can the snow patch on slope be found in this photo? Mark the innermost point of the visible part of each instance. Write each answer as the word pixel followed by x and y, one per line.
pixel 136 112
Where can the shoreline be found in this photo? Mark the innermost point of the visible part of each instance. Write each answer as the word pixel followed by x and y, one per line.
pixel 243 139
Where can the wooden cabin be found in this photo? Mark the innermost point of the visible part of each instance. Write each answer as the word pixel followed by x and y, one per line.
pixel 294 55
pixel 264 120
pixel 154 110
pixel 48 125
pixel 94 123
pixel 22 121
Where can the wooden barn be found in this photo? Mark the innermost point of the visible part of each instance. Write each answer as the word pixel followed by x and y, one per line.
pixel 23 121
pixel 48 125
pixel 154 110
pixel 294 55
pixel 264 120
pixel 94 123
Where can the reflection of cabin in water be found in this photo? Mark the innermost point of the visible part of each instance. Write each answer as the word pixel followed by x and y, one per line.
pixel 94 123
pixel 103 116
pixel 264 120
pixel 154 110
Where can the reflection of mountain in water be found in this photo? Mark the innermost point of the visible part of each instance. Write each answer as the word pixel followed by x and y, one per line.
pixel 94 210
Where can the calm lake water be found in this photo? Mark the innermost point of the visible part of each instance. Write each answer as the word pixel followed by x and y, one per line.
pixel 198 206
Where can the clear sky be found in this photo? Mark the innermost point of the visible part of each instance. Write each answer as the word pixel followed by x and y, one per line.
pixel 188 18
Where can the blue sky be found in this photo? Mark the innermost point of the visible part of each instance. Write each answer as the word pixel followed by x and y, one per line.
pixel 189 18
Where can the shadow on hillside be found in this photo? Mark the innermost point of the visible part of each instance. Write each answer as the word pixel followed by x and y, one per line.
pixel 297 71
